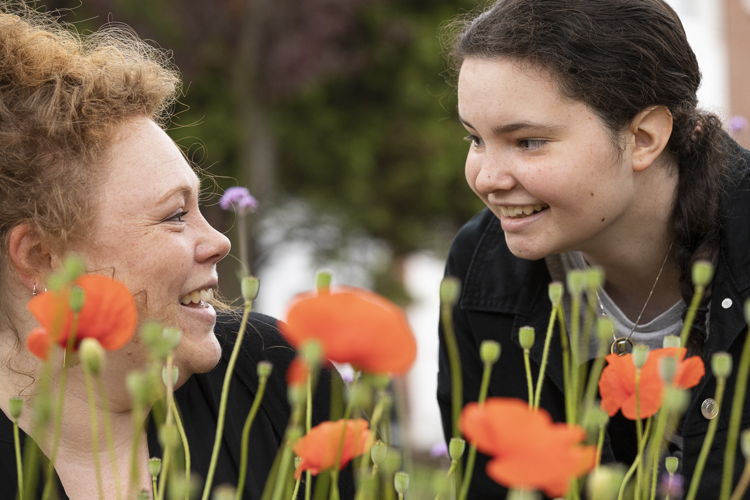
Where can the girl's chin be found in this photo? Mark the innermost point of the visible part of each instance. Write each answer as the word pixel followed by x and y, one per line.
pixel 197 356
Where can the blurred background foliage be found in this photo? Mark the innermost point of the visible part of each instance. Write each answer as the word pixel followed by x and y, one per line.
pixel 345 108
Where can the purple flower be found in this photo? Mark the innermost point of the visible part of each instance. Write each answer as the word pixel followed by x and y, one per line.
pixel 672 485
pixel 737 124
pixel 439 449
pixel 239 199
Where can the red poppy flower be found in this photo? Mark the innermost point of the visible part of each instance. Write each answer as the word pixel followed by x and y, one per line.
pixel 109 315
pixel 297 372
pixel 354 326
pixel 529 450
pixel 320 447
pixel 617 382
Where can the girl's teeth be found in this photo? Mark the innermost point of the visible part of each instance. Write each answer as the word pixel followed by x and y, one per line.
pixel 197 297
pixel 521 211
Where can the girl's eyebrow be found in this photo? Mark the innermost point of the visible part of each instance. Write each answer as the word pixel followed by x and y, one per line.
pixel 515 126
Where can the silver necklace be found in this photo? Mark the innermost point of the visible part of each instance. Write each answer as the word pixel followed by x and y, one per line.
pixel 624 345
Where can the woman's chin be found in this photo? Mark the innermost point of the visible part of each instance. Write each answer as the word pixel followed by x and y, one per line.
pixel 197 355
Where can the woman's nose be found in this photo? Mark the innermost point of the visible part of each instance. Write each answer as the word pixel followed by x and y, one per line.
pixel 214 246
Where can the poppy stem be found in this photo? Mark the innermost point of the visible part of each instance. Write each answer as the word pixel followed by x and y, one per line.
pixel 575 347
pixel 707 441
pixel 224 399
pixel 455 366
pixel 263 380
pixel 108 436
pixel 742 484
pixel 19 460
pixel 185 445
pixel 735 417
pixel 568 394
pixel 529 382
pixel 91 393
pixel 545 355
pixel 690 315
pixel 656 447
pixel 639 434
pixel 636 462
pixel 169 421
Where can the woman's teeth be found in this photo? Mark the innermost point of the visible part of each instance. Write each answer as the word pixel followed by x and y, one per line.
pixel 521 210
pixel 197 297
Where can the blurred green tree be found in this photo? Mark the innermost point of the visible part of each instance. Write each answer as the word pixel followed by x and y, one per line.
pixel 343 104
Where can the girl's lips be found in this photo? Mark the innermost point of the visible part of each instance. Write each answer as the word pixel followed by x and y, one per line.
pixel 515 224
pixel 203 312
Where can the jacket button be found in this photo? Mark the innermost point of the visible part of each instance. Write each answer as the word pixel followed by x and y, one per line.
pixel 726 303
pixel 709 408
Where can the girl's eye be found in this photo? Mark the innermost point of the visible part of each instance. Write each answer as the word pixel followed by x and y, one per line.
pixel 531 144
pixel 474 140
pixel 178 217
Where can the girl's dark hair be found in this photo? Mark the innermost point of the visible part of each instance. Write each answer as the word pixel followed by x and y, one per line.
pixel 620 57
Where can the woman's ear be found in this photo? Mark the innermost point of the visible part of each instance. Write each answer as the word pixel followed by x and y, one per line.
pixel 29 256
pixel 651 129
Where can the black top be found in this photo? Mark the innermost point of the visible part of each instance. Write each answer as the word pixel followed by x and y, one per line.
pixel 198 400
pixel 500 293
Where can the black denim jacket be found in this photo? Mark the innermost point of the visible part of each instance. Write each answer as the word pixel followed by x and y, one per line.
pixel 500 293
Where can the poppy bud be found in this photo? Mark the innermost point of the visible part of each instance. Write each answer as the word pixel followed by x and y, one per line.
pixel 745 443
pixel 456 448
pixel 676 400
pixel 73 267
pixel 401 482
pixel 721 364
pixel 667 368
pixel 57 281
pixel 15 407
pixel 450 290
pixel 169 436
pixel 223 492
pixel 526 337
pixel 671 464
pixel 250 286
pixel 154 466
pixel 555 292
pixel 77 298
pixel 595 418
pixel 593 277
pixel 378 453
pixel 702 273
pixel 137 384
pixel 264 369
pixel 296 394
pixel 323 279
pixel 489 350
pixel 392 461
pixel 91 354
pixel 165 376
pixel 575 281
pixel 311 351
pixel 605 329
pixel 671 341
pixel 604 482
pixel 360 395
pixel 640 355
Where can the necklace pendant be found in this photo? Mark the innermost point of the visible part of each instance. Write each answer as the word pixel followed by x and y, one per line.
pixel 621 346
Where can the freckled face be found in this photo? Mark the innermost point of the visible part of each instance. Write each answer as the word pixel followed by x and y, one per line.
pixel 544 164
pixel 149 231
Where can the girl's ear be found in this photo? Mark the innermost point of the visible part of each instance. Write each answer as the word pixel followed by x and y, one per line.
pixel 29 256
pixel 650 129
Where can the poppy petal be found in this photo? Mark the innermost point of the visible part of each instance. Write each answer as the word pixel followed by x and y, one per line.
pixel 38 342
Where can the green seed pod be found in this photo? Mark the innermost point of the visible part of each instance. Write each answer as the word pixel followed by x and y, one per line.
pixel 360 395
pixel 77 298
pixel 73 267
pixel 576 282
pixel 675 400
pixel 640 355
pixel 92 355
pixel 401 482
pixel 311 351
pixel 264 369
pixel 392 461
pixel 721 364
pixel 154 466
pixel 456 448
pixel 250 287
pixel 378 453
pixel 671 341
pixel 555 292
pixel 604 482
pixel 593 277
pixel 595 418
pixel 450 290
pixel 667 368
pixel 672 464
pixel 171 337
pixel 296 394
pixel 703 271
pixel 526 337
pixel 489 350
pixel 15 407
pixel 323 280
pixel 223 492
pixel 166 378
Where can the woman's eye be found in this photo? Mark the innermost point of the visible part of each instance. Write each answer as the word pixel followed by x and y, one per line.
pixel 531 144
pixel 474 140
pixel 178 217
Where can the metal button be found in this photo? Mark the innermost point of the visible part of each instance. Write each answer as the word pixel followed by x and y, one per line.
pixel 726 303
pixel 709 408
